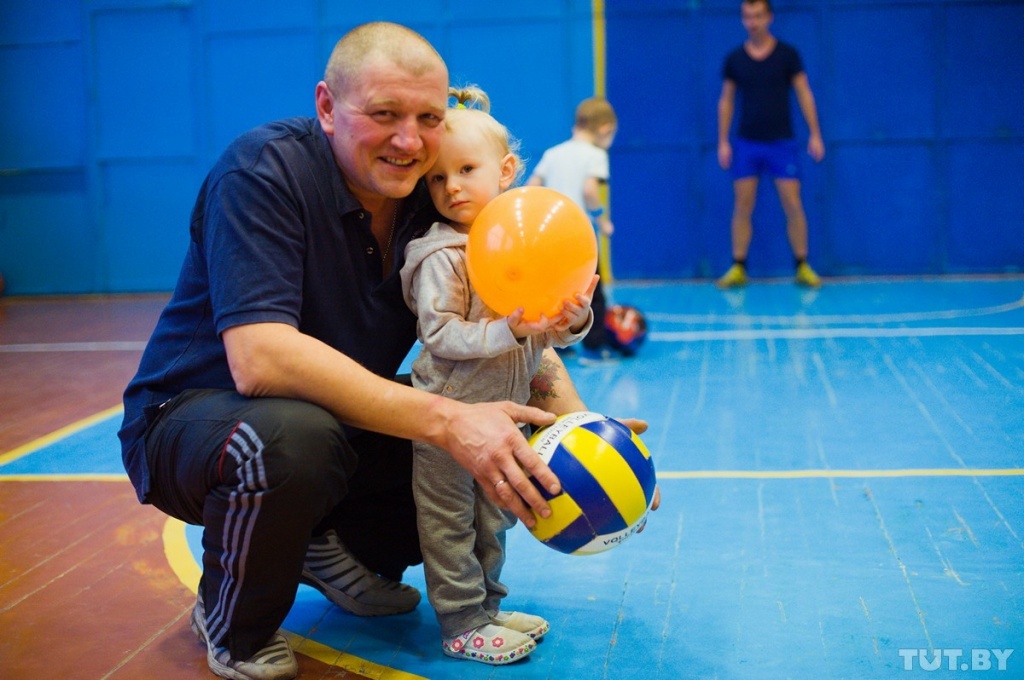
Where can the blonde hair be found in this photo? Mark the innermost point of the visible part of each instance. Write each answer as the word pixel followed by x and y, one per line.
pixel 401 46
pixel 472 103
pixel 594 113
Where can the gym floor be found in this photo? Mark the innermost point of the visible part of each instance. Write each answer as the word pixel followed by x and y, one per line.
pixel 840 473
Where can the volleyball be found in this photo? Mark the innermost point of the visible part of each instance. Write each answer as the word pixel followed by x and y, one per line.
pixel 607 478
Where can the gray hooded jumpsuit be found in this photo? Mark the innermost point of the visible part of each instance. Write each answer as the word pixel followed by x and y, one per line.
pixel 468 354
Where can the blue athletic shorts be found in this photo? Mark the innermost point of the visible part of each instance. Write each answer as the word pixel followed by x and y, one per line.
pixel 779 159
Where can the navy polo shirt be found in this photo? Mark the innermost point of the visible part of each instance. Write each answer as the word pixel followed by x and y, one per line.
pixel 763 88
pixel 276 236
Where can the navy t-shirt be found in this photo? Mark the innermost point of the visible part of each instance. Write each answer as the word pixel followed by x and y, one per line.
pixel 763 91
pixel 276 236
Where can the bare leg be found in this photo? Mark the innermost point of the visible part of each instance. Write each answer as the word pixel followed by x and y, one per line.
pixel 745 191
pixel 796 220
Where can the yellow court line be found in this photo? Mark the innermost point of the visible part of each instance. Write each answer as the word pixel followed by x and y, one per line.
pixel 180 558
pixel 827 474
pixel 57 435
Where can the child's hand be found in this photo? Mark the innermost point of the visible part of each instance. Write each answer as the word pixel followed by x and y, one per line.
pixel 573 315
pixel 576 310
pixel 521 328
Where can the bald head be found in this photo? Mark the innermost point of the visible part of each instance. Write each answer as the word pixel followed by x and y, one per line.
pixel 380 40
pixel 382 104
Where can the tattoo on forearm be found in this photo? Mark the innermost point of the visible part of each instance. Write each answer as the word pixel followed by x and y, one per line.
pixel 542 386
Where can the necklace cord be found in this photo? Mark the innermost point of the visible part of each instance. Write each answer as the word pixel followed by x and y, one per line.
pixel 391 235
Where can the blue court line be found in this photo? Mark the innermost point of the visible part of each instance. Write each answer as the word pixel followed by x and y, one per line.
pixel 63 448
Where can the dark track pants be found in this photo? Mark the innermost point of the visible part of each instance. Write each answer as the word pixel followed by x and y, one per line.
pixel 262 476
pixel 597 336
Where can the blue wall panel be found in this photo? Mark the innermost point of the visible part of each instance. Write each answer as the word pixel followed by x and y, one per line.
pixel 252 79
pixel 638 41
pixel 144 83
pixel 882 83
pixel 656 221
pixel 20 21
pixel 884 201
pixel 345 14
pixel 985 209
pixel 43 115
pixel 46 235
pixel 984 67
pixel 146 212
pixel 234 16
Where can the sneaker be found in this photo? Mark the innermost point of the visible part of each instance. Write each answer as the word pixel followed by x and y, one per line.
pixel 735 277
pixel 332 570
pixel 274 662
pixel 534 627
pixel 805 276
pixel 596 357
pixel 490 644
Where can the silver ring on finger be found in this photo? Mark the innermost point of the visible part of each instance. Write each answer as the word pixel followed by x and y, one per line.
pixel 498 483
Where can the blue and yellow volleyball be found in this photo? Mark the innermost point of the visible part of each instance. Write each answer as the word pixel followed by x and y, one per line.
pixel 607 478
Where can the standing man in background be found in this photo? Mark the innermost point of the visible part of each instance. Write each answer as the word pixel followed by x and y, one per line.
pixel 763 70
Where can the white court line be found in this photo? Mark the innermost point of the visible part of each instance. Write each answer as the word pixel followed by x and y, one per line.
pixel 896 317
pixel 75 347
pixel 817 333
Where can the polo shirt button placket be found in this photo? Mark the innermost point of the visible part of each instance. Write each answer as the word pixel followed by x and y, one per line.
pixel 369 249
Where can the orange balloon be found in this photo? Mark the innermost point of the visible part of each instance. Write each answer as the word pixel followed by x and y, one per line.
pixel 531 247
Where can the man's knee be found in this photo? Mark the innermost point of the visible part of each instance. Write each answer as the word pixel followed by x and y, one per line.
pixel 745 195
pixel 789 196
pixel 303 448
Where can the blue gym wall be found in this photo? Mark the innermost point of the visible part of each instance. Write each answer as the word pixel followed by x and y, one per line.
pixel 112 111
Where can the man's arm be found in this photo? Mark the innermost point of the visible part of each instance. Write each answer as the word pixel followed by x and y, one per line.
pixel 726 107
pixel 804 96
pixel 551 388
pixel 275 359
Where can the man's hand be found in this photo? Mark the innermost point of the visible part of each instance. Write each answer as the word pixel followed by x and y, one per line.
pixel 486 441
pixel 816 148
pixel 724 155
pixel 640 426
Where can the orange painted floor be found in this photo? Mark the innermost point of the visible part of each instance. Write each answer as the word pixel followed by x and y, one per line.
pixel 86 590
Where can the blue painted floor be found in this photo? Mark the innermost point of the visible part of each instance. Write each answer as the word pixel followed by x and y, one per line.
pixel 841 477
